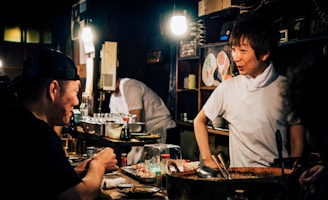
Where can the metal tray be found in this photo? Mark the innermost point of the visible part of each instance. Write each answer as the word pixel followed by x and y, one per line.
pixel 132 173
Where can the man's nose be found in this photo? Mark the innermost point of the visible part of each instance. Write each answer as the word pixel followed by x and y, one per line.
pixel 235 56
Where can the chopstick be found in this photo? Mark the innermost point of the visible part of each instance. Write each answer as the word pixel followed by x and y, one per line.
pixel 224 165
pixel 220 168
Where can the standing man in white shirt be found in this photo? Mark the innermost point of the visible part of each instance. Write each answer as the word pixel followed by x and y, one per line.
pixel 134 97
pixel 251 102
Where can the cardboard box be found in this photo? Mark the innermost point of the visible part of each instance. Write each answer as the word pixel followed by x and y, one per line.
pixel 206 7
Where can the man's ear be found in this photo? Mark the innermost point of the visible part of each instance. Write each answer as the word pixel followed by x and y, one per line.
pixel 265 56
pixel 53 88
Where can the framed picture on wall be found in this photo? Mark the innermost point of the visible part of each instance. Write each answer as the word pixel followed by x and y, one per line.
pixel 283 35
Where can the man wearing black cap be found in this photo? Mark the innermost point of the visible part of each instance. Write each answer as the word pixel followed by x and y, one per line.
pixel 47 95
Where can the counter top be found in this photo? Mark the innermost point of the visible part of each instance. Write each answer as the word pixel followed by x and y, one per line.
pixel 115 194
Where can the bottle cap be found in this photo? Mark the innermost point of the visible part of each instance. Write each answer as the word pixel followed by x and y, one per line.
pixel 165 156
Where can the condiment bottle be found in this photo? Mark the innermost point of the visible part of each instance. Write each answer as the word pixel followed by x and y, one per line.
pixel 125 133
pixel 72 129
pixel 124 159
pixel 164 161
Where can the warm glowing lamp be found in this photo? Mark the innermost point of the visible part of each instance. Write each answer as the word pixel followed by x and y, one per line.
pixel 178 23
pixel 87 39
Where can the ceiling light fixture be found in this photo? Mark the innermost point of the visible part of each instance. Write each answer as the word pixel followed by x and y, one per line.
pixel 87 39
pixel 178 22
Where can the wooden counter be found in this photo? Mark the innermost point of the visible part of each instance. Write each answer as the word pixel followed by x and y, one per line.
pixel 115 194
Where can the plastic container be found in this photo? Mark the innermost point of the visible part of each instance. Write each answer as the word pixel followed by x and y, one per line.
pixel 153 152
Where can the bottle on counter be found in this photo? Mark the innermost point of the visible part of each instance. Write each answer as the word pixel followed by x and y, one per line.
pixel 164 161
pixel 124 160
pixel 84 106
pixel 125 133
pixel 72 129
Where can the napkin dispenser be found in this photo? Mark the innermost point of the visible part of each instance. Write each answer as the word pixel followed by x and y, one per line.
pixel 154 154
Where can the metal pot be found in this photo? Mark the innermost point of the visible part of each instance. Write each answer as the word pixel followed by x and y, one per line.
pixel 266 184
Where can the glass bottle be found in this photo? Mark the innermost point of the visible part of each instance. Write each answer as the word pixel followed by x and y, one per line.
pixel 164 161
pixel 125 133
pixel 124 159
pixel 72 129
pixel 84 106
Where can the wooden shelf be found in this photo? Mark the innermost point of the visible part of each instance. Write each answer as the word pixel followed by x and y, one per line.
pixel 189 124
pixel 207 87
pixel 218 132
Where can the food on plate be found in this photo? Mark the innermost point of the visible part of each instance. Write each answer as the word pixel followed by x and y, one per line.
pixel 182 166
pixel 142 170
pixel 140 191
pixel 190 166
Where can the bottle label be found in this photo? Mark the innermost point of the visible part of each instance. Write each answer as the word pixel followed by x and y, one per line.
pixel 124 160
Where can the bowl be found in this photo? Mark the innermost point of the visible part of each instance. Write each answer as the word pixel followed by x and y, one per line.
pixel 218 122
pixel 113 130
pixel 137 127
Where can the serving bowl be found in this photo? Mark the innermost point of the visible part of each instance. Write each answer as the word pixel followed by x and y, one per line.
pixel 137 127
pixel 258 183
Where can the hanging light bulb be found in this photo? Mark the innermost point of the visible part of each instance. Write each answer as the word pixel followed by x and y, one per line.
pixel 87 40
pixel 178 23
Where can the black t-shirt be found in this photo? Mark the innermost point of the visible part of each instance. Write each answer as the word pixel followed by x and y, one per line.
pixel 35 163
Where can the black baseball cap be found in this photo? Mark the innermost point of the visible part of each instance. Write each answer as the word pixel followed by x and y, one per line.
pixel 52 64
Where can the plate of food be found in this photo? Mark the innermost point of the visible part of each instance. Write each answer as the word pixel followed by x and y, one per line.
pixel 140 191
pixel 152 136
pixel 140 134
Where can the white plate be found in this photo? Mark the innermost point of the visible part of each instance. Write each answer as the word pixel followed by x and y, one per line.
pixel 223 63
pixel 124 185
pixel 140 191
pixel 140 134
pixel 209 67
pixel 149 137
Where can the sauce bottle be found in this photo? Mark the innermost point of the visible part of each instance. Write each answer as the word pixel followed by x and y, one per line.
pixel 125 133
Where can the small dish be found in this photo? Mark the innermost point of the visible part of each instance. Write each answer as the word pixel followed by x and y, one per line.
pixel 148 137
pixel 140 191
pixel 140 134
pixel 124 185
